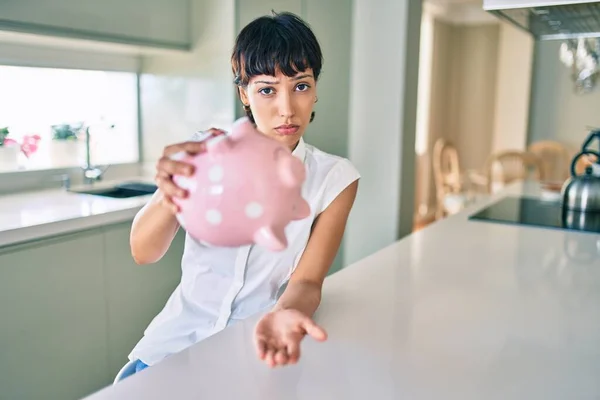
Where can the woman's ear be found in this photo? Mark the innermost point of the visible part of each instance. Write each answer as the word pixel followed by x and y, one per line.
pixel 243 96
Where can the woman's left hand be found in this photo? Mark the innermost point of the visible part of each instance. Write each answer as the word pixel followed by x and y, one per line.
pixel 278 335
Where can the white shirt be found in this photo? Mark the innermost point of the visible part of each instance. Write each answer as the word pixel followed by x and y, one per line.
pixel 220 285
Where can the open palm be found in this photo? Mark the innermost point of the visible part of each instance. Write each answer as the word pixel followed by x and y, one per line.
pixel 278 335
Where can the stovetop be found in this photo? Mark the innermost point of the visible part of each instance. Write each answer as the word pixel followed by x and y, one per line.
pixel 538 213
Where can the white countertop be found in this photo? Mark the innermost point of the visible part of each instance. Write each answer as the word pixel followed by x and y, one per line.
pixel 460 310
pixel 35 215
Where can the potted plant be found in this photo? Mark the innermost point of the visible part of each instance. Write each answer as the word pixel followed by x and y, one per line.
pixel 66 148
pixel 9 151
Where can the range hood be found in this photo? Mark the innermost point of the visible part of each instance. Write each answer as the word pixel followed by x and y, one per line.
pixel 550 19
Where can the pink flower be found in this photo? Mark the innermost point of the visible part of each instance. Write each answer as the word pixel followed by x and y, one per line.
pixel 10 142
pixel 29 145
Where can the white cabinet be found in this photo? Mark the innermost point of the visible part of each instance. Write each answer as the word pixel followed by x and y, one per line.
pixel 134 293
pixel 53 318
pixel 154 23
pixel 71 309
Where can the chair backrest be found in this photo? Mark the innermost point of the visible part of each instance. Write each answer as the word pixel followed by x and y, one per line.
pixel 446 172
pixel 446 167
pixel 555 158
pixel 511 165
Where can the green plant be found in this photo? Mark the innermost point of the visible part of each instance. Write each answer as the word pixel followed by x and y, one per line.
pixel 66 131
pixel 3 134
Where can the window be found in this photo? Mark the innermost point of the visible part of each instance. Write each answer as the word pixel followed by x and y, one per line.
pixel 45 113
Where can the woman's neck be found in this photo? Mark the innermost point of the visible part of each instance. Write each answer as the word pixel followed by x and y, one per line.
pixel 293 147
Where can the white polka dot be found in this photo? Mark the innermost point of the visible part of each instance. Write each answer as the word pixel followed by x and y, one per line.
pixel 216 190
pixel 215 173
pixel 213 217
pixel 254 210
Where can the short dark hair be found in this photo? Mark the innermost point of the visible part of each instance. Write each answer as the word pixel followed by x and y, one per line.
pixel 280 41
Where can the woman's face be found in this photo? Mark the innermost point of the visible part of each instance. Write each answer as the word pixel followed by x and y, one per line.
pixel 281 105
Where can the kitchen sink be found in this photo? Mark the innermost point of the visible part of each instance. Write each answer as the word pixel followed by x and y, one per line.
pixel 122 191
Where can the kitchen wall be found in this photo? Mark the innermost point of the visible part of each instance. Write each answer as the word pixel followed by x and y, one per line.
pixel 437 105
pixel 473 85
pixel 183 93
pixel 383 98
pixel 513 88
pixel 557 112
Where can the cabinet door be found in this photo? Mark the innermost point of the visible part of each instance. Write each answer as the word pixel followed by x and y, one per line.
pixel 164 23
pixel 53 318
pixel 135 293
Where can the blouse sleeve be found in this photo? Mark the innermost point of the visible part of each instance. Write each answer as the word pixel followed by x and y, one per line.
pixel 339 178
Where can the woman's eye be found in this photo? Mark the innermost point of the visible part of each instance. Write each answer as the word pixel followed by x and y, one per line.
pixel 266 91
pixel 303 87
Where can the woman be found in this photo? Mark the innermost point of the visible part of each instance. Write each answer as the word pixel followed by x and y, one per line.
pixel 276 63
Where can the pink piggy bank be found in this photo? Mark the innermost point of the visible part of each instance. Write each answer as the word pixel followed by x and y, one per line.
pixel 245 190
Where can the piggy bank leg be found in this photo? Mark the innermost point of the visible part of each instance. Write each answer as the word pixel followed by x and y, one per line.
pixel 291 170
pixel 272 238
pixel 301 209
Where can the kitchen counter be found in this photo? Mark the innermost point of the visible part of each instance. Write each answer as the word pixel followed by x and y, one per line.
pixel 459 310
pixel 36 215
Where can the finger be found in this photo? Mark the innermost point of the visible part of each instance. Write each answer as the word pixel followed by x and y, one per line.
pixel 270 357
pixel 261 348
pixel 281 357
pixel 293 351
pixel 190 147
pixel 168 202
pixel 170 189
pixel 314 330
pixel 167 166
pixel 216 131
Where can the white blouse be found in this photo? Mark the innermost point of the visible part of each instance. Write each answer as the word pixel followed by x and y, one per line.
pixel 220 286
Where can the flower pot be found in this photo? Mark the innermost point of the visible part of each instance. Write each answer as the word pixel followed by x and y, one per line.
pixel 66 153
pixel 9 158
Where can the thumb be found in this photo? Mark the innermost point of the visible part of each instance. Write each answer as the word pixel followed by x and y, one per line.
pixel 314 330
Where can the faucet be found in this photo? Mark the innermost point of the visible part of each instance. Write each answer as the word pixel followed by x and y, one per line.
pixel 91 173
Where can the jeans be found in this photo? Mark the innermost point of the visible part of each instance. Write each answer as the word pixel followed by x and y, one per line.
pixel 139 366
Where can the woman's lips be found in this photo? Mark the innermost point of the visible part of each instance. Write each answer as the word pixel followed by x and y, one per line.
pixel 287 129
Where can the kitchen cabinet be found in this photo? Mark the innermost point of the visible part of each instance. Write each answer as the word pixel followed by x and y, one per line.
pixel 153 23
pixel 72 307
pixel 135 293
pixel 53 318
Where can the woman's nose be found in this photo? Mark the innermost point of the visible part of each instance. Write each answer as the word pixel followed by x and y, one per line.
pixel 286 105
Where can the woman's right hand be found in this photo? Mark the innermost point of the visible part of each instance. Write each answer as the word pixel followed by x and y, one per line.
pixel 167 167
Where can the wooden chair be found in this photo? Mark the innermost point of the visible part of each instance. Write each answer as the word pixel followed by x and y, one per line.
pixel 555 158
pixel 509 166
pixel 451 185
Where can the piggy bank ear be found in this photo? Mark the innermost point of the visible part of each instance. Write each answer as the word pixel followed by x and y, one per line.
pixel 242 126
pixel 242 123
pixel 219 144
